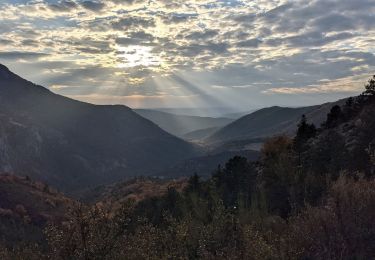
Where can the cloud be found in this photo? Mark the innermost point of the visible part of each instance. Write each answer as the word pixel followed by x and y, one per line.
pixel 136 38
pixel 196 49
pixel 249 43
pixel 202 35
pixel 63 6
pixel 30 42
pixel 348 85
pixel 316 38
pixel 178 18
pixel 6 42
pixel 231 87
pixel 287 46
pixel 93 50
pixel 124 24
pixel 93 6
pixel 128 2
pixel 21 55
pixel 334 22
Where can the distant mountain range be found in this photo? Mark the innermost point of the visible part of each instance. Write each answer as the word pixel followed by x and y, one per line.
pixel 270 121
pixel 73 145
pixel 225 112
pixel 200 134
pixel 180 125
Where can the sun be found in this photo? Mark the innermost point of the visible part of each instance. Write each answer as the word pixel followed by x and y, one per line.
pixel 137 55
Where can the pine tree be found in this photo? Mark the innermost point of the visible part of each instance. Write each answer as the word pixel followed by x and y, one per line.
pixel 305 131
pixel 370 87
pixel 333 117
pixel 194 184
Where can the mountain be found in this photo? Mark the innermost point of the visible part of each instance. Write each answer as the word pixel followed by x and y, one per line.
pixel 238 115
pixel 200 134
pixel 315 187
pixel 270 121
pixel 72 145
pixel 199 111
pixel 179 125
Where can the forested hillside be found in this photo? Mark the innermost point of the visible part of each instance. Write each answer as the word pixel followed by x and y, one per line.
pixel 26 207
pixel 308 197
pixel 271 121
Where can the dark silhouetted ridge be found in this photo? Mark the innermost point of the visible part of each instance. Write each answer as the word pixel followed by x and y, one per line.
pixel 72 144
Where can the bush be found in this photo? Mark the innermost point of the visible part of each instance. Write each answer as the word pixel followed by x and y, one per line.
pixel 342 228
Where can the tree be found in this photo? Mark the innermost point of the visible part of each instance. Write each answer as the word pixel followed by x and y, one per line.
pixel 333 117
pixel 96 232
pixel 46 188
pixel 305 131
pixel 194 184
pixel 349 102
pixel 236 181
pixel 172 201
pixel 350 108
pixel 370 87
pixel 371 151
pixel 329 154
pixel 342 228
pixel 278 175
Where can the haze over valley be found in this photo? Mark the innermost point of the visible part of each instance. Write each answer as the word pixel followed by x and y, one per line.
pixel 189 129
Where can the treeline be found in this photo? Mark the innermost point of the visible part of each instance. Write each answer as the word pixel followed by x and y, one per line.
pixel 308 197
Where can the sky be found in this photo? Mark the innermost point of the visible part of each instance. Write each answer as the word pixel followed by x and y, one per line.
pixel 238 54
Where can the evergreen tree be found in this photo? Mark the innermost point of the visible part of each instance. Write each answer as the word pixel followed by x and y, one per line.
pixel 305 131
pixel 236 181
pixel 349 108
pixel 333 117
pixel 370 87
pixel 194 184
pixel 278 175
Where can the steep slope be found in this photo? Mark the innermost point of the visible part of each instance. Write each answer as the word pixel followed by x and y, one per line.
pixel 26 207
pixel 71 144
pixel 136 189
pixel 269 122
pixel 179 125
pixel 347 139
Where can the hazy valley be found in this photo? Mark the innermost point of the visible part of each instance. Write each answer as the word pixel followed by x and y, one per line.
pixel 187 129
pixel 102 156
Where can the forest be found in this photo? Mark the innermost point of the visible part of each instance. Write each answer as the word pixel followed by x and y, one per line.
pixel 311 196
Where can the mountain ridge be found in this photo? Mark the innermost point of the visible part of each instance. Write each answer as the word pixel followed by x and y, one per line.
pixel 71 144
pixel 179 125
pixel 270 121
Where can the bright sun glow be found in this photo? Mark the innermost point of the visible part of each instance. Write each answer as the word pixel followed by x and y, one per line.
pixel 137 55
